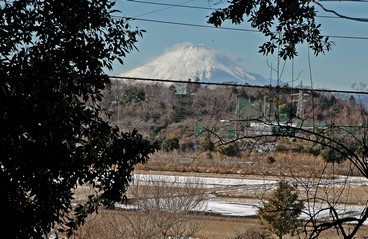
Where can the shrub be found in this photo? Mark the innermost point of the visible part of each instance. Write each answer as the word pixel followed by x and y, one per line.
pixel 313 151
pixel 134 94
pixel 231 150
pixel 282 148
pixel 189 145
pixel 280 214
pixel 271 160
pixel 206 144
pixel 170 144
pixel 330 155
pixel 253 233
pixel 297 148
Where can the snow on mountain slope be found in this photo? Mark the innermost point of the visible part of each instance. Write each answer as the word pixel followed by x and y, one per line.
pixel 197 63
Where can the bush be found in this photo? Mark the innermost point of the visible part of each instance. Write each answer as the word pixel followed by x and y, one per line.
pixel 330 155
pixel 313 151
pixel 253 233
pixel 282 148
pixel 231 150
pixel 189 145
pixel 134 94
pixel 271 160
pixel 170 144
pixel 297 148
pixel 206 144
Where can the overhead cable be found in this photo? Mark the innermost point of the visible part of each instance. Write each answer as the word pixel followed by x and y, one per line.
pixel 170 4
pixel 358 19
pixel 337 16
pixel 192 25
pixel 233 29
pixel 235 85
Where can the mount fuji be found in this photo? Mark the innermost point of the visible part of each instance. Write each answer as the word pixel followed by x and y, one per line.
pixel 199 63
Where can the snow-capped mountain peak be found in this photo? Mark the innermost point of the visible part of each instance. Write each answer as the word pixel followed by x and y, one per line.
pixel 199 63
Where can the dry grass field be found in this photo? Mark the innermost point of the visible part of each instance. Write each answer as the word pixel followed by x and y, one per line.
pixel 299 164
pixel 210 227
pixel 293 165
pixel 254 166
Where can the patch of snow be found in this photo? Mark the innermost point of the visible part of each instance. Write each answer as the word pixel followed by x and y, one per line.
pixel 248 206
pixel 207 182
pixel 232 208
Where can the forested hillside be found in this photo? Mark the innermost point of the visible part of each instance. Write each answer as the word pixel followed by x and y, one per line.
pixel 195 117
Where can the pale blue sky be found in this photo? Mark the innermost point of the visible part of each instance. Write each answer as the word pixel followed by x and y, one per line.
pixel 338 69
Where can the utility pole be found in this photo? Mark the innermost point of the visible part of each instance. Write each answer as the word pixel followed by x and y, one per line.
pixel 236 116
pixel 300 105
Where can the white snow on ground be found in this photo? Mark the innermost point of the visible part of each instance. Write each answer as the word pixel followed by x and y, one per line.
pixel 207 182
pixel 249 207
pixel 232 208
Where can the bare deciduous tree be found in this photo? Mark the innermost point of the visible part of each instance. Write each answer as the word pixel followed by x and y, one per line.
pixel 156 207
pixel 163 205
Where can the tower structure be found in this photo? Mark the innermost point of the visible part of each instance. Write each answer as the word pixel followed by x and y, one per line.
pixel 300 105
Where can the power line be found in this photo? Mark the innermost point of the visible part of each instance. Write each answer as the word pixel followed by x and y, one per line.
pixel 231 28
pixel 239 29
pixel 159 10
pixel 346 37
pixel 192 24
pixel 209 8
pixel 236 85
pixel 358 19
pixel 170 5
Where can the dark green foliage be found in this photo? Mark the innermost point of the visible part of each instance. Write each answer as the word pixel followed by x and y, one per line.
pixel 134 94
pixel 189 145
pixel 271 160
pixel 313 150
pixel 288 111
pixel 170 144
pixel 297 148
pixel 183 108
pixel 281 213
pixel 206 144
pixel 53 132
pixel 331 155
pixel 283 130
pixel 326 102
pixel 231 150
pixel 282 148
pixel 179 113
pixel 285 23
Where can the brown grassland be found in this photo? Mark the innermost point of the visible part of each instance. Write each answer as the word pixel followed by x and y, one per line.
pixel 212 227
pixel 253 165
pixel 215 114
